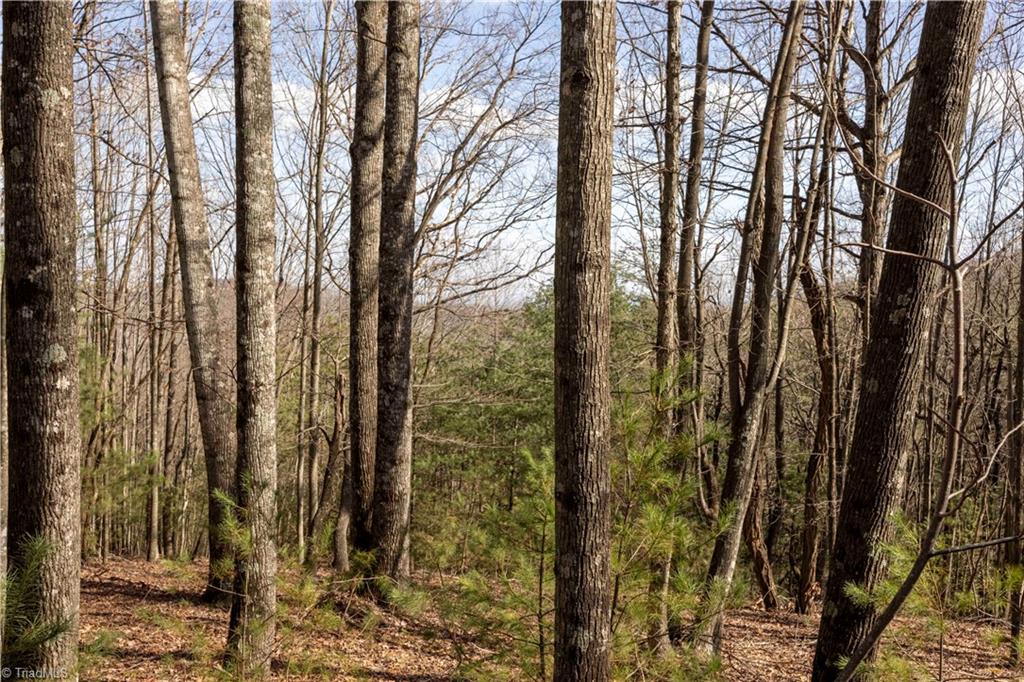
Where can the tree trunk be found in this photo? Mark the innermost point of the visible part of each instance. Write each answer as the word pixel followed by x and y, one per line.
pixel 741 466
pixel 691 204
pixel 342 454
pixel 754 534
pixel 393 467
pixel 212 382
pixel 340 560
pixel 811 534
pixel 364 243
pixel 169 499
pixel 874 165
pixel 777 508
pixel 687 295
pixel 40 222
pixel 820 308
pixel 252 624
pixel 900 319
pixel 582 309
pixel 156 472
pixel 334 473
pixel 316 292
pixel 665 342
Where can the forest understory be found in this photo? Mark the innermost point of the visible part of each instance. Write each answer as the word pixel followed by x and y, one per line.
pixel 144 621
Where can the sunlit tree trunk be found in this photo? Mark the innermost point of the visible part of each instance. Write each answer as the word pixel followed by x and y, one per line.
pixel 40 221
pixel 582 311
pixel 252 623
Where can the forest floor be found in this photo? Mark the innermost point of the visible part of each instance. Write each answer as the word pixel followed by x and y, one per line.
pixel 143 621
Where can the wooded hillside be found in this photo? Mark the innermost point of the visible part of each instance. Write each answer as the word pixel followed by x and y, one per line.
pixel 427 340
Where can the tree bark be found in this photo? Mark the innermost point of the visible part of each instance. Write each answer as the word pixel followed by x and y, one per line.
pixel 210 376
pixel 582 310
pixel 40 220
pixel 875 164
pixel 364 242
pixel 252 624
pixel 900 318
pixel 754 534
pixel 393 467
pixel 820 308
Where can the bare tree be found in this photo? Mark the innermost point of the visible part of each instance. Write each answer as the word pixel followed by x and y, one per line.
pixel 319 231
pixel 686 292
pixel 210 377
pixel 900 319
pixel 761 369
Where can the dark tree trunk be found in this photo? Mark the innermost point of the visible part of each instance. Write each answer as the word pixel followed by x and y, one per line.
pixel 212 382
pixel 582 301
pixel 875 163
pixel 252 624
pixel 900 318
pixel 40 220
pixel 393 467
pixel 665 341
pixel 364 243
pixel 4 462
pixel 687 307
pixel 691 203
